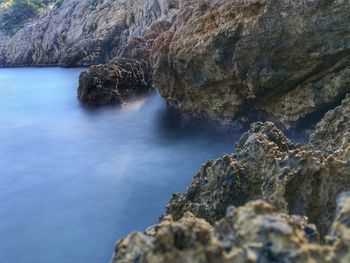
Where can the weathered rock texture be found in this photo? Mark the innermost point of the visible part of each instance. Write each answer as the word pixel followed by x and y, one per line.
pixel 251 233
pixel 333 131
pixel 258 59
pixel 295 179
pixel 296 186
pixel 232 61
pixel 81 32
pixel 113 83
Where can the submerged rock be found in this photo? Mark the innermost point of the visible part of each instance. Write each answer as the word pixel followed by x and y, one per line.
pixel 267 166
pixel 113 83
pixel 333 131
pixel 251 233
pixel 277 60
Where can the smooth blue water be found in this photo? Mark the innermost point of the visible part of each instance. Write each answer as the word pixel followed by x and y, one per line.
pixel 74 180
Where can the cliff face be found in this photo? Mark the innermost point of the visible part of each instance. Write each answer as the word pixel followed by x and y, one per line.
pixel 333 130
pixel 260 59
pixel 81 32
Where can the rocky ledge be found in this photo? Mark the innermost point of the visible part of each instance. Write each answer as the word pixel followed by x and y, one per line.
pixel 273 201
pixel 113 83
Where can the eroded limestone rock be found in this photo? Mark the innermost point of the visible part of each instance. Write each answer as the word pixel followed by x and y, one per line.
pixel 81 32
pixel 113 83
pixel 267 166
pixel 340 232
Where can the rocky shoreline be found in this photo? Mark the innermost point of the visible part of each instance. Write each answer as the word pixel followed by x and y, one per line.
pixel 273 201
pixel 231 63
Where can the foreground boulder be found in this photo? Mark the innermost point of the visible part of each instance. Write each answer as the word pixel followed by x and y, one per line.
pixel 113 83
pixel 240 61
pixel 251 233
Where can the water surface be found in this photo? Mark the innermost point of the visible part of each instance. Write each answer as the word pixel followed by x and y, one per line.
pixel 74 180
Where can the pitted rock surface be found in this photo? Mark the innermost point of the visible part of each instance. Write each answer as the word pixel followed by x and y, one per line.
pixel 278 60
pixel 254 232
pixel 113 83
pixel 294 178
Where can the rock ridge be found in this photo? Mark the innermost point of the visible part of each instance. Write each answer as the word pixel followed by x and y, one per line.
pixel 228 61
pixel 273 201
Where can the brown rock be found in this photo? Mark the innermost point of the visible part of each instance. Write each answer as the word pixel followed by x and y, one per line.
pixel 113 83
pixel 333 131
pixel 251 60
pixel 293 178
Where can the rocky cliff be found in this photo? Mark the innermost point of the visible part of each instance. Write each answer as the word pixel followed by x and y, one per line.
pixel 333 131
pixel 278 60
pixel 274 201
pixel 231 61
pixel 252 233
pixel 81 32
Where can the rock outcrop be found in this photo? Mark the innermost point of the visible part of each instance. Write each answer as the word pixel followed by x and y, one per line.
pixel 295 179
pixel 240 61
pixel 113 83
pixel 251 233
pixel 81 32
pixel 225 60
pixel 274 201
pixel 333 131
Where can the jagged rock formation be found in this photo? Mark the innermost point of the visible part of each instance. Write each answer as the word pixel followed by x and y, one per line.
pixel 278 60
pixel 297 185
pixel 251 233
pixel 81 32
pixel 293 178
pixel 333 131
pixel 113 83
